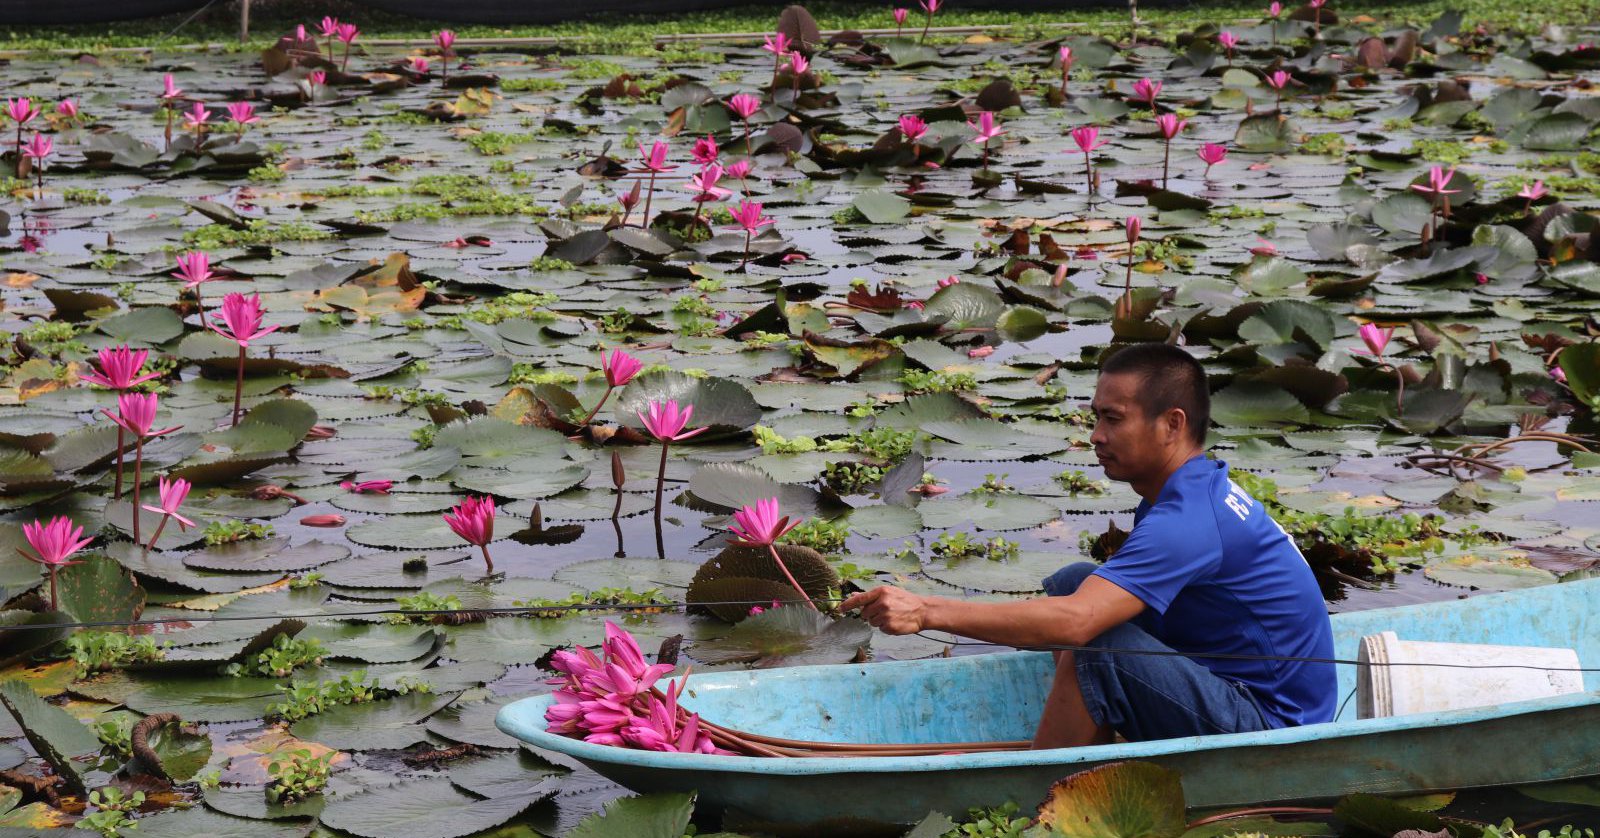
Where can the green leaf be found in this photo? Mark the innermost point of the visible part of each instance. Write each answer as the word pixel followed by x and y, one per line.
pixel 1556 132
pixel 198 821
pixel 790 635
pixel 1021 323
pixel 1256 404
pixel 432 808
pixel 882 207
pixel 648 816
pixel 966 304
pixel 1265 133
pixel 389 724
pixel 719 403
pixel 1581 364
pixel 55 735
pixel 1369 814
pixel 1126 799
pixel 144 326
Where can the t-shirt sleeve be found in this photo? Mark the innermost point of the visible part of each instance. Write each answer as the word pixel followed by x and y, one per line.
pixel 1163 554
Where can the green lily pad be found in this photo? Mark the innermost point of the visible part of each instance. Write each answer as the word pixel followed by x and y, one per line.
pixel 1124 798
pixel 432 808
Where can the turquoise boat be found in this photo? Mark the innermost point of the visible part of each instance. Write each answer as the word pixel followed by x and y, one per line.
pixel 999 696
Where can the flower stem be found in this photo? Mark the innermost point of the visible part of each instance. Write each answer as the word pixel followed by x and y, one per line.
pixel 1088 177
pixel 54 606
pixel 661 481
pixel 488 562
pixel 773 549
pixel 138 462
pixel 157 535
pixel 121 442
pixel 746 260
pixel 238 387
pixel 169 127
pixel 926 22
pixel 1166 159
pixel 747 151
pixel 602 403
pixel 648 194
pixel 1400 396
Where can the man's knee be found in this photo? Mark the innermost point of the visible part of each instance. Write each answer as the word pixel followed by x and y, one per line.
pixel 1066 580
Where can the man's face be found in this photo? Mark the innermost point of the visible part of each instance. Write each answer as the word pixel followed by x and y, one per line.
pixel 1127 443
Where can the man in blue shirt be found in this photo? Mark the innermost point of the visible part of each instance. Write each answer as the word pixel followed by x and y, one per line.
pixel 1204 571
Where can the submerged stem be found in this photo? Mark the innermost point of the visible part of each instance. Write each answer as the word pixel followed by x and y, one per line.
pixel 661 481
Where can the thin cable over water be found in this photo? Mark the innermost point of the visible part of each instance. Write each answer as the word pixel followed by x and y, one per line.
pixel 545 610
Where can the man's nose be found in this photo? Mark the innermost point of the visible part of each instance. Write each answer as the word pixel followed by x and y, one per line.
pixel 1097 435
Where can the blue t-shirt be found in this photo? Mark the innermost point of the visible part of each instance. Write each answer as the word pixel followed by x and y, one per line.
pixel 1217 574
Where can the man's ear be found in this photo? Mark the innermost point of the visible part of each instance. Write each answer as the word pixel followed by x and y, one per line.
pixel 1176 421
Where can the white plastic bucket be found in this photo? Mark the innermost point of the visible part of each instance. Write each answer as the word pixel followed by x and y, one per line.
pixel 1390 687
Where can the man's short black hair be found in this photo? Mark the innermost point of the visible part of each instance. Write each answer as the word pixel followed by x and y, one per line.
pixel 1170 378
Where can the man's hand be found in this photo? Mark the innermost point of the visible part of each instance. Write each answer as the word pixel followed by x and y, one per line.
pixel 889 609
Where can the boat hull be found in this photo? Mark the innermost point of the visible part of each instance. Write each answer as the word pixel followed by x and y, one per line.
pixel 989 697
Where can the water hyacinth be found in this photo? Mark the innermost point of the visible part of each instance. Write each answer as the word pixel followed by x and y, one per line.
pixel 761 524
pixel 53 544
pixel 473 520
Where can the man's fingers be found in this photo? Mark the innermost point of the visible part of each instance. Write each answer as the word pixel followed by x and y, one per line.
pixel 861 600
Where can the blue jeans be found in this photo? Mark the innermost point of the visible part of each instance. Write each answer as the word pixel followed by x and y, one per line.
pixel 1147 697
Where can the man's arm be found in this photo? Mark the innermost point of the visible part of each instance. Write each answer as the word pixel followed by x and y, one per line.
pixel 1072 620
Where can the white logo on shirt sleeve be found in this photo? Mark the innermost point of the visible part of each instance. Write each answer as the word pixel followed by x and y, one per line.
pixel 1238 501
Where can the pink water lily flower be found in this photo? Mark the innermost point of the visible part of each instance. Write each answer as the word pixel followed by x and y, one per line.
pixel 1147 90
pixel 348 32
pixel 619 367
pixel 1064 57
pixel 473 520
pixel 169 88
pixel 1087 138
pixel 1212 154
pixel 1558 374
pixel 173 493
pixel 68 108
pixel 744 104
pixel 55 542
pixel 119 368
pixel 300 35
pixel 317 78
pixel 985 127
pixel 900 16
pixel 930 6
pixel 738 168
pixel 948 281
pixel 761 524
pixel 1278 80
pixel 1533 191
pixel 1170 125
pixel 1375 338
pixel 194 268
pixel 330 26
pixel 241 319
pixel 376 487
pixel 53 545
pixel 912 127
pixel 20 110
pixel 704 151
pixel 419 65
pixel 38 148
pixel 655 160
pixel 747 216
pixel 777 43
pixel 196 116
pixel 136 413
pixel 242 113
pixel 1227 39
pixel 1274 9
pixel 705 187
pixel 445 39
pixel 798 63
pixel 666 421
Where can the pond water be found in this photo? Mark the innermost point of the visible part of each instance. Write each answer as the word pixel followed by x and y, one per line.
pixel 445 263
